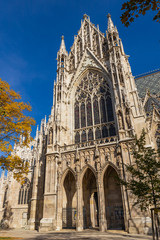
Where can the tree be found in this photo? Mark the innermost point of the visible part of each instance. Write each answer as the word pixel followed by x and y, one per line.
pixel 134 8
pixel 144 178
pixel 13 124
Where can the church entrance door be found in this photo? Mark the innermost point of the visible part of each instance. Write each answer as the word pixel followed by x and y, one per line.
pixel 113 200
pixel 69 202
pixel 90 200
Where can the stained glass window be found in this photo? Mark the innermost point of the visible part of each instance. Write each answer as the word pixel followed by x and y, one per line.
pixel 76 116
pixel 25 197
pixel 22 196
pixel 112 131
pixel 96 112
pixel 93 106
pixel 77 137
pixel 89 114
pixel 19 198
pixel 83 136
pixel 104 132
pixel 24 193
pixel 90 135
pixel 83 115
pixel 109 109
pixel 98 133
pixel 103 110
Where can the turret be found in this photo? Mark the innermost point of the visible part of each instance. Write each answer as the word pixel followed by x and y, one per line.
pixel 61 61
pixel 126 97
pixel 61 71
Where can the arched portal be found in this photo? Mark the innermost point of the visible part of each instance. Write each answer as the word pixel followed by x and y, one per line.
pixel 69 201
pixel 90 200
pixel 113 200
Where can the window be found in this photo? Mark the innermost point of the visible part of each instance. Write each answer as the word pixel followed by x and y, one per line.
pixel 24 193
pixel 77 137
pixel 83 136
pixel 96 112
pixel 89 113
pixel 76 117
pixel 93 110
pixel 83 115
pixel 90 135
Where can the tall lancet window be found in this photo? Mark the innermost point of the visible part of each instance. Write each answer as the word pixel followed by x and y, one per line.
pixel 93 109
pixel 24 193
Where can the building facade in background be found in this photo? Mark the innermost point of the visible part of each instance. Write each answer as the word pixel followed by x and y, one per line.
pixel 77 155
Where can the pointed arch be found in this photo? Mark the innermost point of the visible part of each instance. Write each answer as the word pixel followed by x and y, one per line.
pixel 90 197
pixel 113 197
pixel 24 192
pixel 109 164
pixel 84 169
pixel 69 198
pixel 65 172
pixel 93 105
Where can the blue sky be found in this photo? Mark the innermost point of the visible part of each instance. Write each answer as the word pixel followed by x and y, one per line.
pixel 30 32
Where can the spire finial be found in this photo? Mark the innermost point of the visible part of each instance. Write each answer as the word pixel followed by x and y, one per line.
pixel 109 15
pixel 85 16
pixel 111 27
pixel 62 47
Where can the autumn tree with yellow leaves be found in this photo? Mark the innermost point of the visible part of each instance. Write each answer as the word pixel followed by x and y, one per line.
pixel 13 124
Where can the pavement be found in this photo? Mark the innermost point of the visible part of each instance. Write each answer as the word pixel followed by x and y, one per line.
pixel 72 234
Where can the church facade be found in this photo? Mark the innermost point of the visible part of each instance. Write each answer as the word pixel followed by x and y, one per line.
pixel 79 152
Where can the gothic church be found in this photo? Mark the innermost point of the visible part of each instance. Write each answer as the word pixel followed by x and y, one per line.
pixel 78 153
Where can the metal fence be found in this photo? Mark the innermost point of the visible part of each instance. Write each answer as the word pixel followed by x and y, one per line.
pixel 69 218
pixel 115 217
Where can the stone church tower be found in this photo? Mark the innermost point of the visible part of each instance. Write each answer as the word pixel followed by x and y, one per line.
pixel 79 152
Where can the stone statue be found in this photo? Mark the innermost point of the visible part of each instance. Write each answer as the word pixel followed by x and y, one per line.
pixel 120 121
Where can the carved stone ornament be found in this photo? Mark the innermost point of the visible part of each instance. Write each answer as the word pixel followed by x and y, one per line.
pixel 128 120
pixel 120 120
pixel 87 159
pixel 68 163
pixel 77 155
pixel 96 152
pixel 107 156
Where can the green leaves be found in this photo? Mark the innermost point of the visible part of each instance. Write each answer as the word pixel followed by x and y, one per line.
pixel 143 172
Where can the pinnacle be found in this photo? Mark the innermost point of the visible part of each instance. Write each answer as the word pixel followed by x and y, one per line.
pixel 62 47
pixel 111 27
pixel 85 16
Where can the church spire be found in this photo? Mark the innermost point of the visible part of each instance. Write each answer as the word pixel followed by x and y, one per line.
pixel 111 27
pixel 62 49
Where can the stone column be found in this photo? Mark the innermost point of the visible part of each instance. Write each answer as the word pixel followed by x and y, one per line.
pixel 48 222
pixel 32 219
pixel 79 219
pixel 59 197
pixel 101 203
pixel 100 190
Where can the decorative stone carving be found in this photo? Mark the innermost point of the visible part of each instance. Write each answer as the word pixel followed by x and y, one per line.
pixel 127 117
pixel 108 157
pixel 50 136
pixel 96 152
pixel 120 120
pixel 77 157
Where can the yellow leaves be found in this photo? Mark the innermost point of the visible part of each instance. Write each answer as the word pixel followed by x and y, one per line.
pixel 13 123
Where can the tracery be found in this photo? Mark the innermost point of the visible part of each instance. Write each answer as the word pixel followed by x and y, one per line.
pixel 24 193
pixel 93 110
